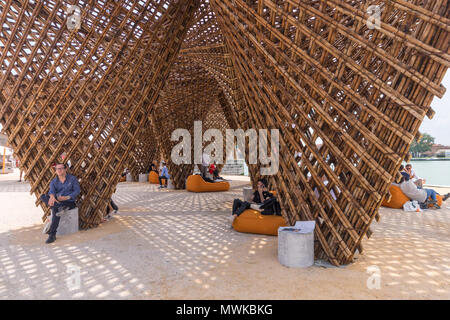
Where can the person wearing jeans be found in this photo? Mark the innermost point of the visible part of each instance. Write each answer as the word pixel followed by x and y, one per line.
pixel 164 175
pixel 64 190
pixel 413 192
pixel 431 193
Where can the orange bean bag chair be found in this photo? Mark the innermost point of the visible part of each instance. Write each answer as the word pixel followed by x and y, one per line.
pixel 398 198
pixel 252 221
pixel 439 201
pixel 123 179
pixel 154 178
pixel 195 183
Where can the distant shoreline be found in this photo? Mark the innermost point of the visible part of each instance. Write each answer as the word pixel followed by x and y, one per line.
pixel 430 159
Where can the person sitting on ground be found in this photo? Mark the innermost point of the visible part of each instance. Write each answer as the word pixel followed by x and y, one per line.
pixel 422 196
pixel 413 176
pixel 259 196
pixel 64 190
pixel 164 174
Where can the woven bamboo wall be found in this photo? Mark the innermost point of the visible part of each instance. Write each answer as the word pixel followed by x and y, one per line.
pixel 348 100
pixel 85 92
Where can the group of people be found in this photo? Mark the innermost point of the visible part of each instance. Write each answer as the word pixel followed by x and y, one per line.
pixel 65 188
pixel 412 186
pixel 209 168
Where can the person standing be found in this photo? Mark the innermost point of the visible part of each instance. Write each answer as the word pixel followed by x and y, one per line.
pixel 205 165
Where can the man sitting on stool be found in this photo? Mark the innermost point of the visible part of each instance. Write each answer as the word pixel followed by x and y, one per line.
pixel 163 175
pixel 64 190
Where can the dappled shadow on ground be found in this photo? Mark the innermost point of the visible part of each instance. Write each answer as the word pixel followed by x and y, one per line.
pixel 159 236
pixel 168 244
pixel 412 251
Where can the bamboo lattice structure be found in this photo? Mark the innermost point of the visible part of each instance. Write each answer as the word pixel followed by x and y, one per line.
pixel 348 99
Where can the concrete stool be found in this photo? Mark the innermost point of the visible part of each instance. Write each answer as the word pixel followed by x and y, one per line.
pixel 129 177
pixel 143 177
pixel 248 193
pixel 170 184
pixel 68 223
pixel 295 249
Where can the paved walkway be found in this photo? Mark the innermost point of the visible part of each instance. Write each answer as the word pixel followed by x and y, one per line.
pixel 167 244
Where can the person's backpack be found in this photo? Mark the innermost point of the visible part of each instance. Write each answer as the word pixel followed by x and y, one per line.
pixel 411 206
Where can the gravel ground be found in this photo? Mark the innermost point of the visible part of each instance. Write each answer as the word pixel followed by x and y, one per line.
pixel 166 244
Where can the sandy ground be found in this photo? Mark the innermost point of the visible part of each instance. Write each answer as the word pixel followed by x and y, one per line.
pixel 167 244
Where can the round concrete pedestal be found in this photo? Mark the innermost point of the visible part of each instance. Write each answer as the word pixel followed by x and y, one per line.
pixel 295 249
pixel 68 223
pixel 143 177
pixel 129 177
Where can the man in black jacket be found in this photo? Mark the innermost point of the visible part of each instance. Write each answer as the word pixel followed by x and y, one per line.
pixel 259 196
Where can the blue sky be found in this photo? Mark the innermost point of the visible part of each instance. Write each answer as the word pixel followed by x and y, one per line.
pixel 439 126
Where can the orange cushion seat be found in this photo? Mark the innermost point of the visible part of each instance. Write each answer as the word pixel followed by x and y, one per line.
pixel 123 179
pixel 154 178
pixel 252 221
pixel 398 198
pixel 439 201
pixel 195 183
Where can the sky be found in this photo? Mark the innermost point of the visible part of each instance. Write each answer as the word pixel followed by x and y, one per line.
pixel 439 126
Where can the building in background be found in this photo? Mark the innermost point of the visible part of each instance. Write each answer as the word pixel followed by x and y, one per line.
pixel 438 150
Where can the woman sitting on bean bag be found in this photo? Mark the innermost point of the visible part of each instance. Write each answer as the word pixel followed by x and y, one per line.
pixel 259 196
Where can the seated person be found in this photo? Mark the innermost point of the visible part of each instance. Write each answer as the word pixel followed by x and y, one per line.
pixel 204 167
pixel 413 176
pixel 413 192
pixel 164 174
pixel 152 168
pixel 125 172
pixel 112 205
pixel 259 196
pixel 64 190
pixel 214 171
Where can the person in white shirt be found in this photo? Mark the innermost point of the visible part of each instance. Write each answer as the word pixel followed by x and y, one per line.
pixel 205 165
pixel 412 191
pixel 413 176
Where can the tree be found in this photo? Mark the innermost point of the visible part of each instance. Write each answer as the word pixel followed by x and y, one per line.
pixel 421 146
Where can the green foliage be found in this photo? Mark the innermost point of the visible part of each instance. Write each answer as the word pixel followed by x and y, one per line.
pixel 423 145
